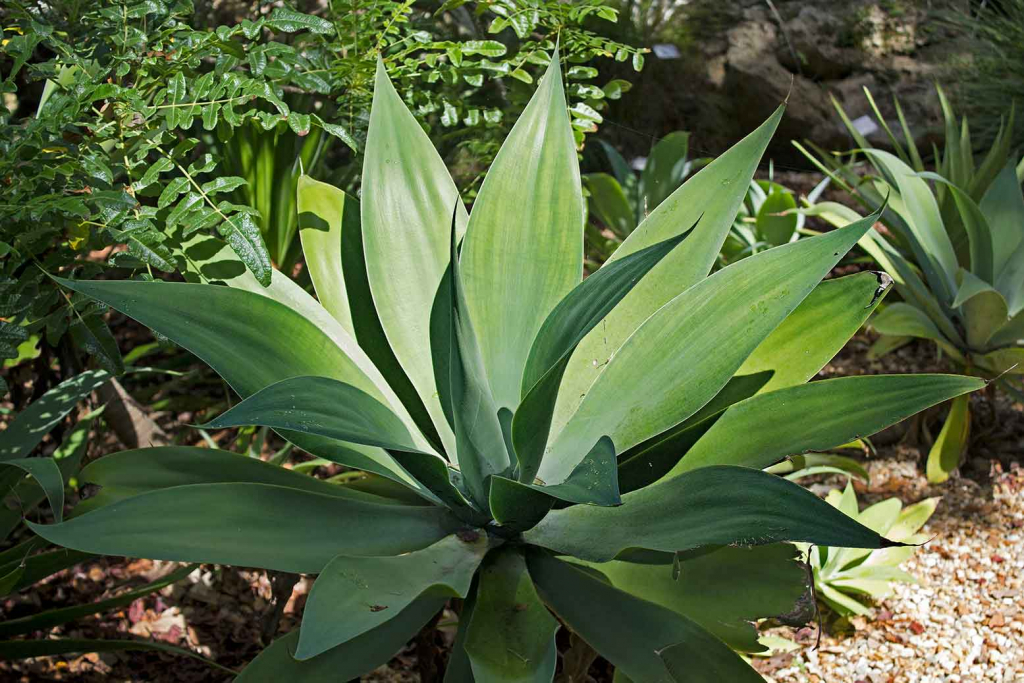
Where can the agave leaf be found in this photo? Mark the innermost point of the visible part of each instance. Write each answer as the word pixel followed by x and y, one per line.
pixel 523 249
pixel 47 475
pixel 713 196
pixel 979 232
pixel 371 590
pixel 1002 360
pixel 510 635
pixel 323 406
pixel 984 309
pixel 480 440
pixel 724 590
pixel 326 223
pixel 926 232
pixel 29 426
pixel 720 321
pixel 458 668
pixel 34 568
pixel 349 660
pixel 772 227
pixel 630 632
pixel 718 505
pixel 816 330
pixel 944 456
pixel 126 474
pixel 912 518
pixel 406 207
pixel 250 357
pixel 1009 334
pixel 250 525
pixel 843 604
pixel 665 169
pixel 903 320
pixel 593 481
pixel 1003 208
pixel 570 321
pixel 649 461
pixel 333 246
pixel 776 424
pixel 609 203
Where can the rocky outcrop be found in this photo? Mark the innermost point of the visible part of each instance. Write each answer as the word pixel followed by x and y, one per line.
pixel 808 51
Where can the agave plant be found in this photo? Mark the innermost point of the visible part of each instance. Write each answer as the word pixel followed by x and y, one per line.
pixel 956 251
pixel 847 578
pixel 556 451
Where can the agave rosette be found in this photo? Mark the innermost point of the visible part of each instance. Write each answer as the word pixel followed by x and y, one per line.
pixel 557 451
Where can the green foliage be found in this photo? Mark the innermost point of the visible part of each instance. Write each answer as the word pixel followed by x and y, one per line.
pixel 849 579
pixel 955 249
pixel 504 502
pixel 155 141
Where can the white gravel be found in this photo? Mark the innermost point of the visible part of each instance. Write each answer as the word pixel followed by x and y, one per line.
pixel 964 622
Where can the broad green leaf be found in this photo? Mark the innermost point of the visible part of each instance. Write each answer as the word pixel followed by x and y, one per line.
pixel 524 244
pixel 1003 208
pixel 126 474
pixel 29 427
pixel 290 21
pixel 816 330
pixel 593 481
pixel 666 167
pixel 480 441
pixel 718 505
pixel 944 456
pixel 35 568
pixel 720 321
pixel 984 309
pixel 326 224
pixel 1011 333
pixel 632 633
pixel 347 661
pixel 926 232
pixel 42 621
pixel 608 202
pixel 248 356
pixel 369 591
pixel 92 335
pixel 713 196
pixel 457 668
pixel 725 590
pixel 47 475
pixel 511 634
pixel 887 344
pixel 903 320
pixel 323 406
pixel 652 459
pixel 406 207
pixel 249 525
pixel 765 428
pixel 979 232
pixel 772 227
pixel 570 321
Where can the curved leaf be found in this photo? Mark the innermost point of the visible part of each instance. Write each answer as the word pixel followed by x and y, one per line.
pixel 249 525
pixel 712 328
pixel 718 505
pixel 665 169
pixel 346 661
pixel 406 208
pixel 608 202
pixel 511 634
pixel 371 590
pixel 944 456
pixel 524 244
pixel 712 195
pixel 634 634
pixel 817 416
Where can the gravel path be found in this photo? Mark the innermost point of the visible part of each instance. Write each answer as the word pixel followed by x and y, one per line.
pixel 964 622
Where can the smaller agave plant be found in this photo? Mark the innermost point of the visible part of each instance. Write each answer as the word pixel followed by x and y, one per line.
pixel 955 249
pixel 849 579
pixel 557 452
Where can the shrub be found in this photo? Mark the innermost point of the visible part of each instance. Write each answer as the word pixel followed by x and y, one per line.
pixel 532 442
pixel 955 250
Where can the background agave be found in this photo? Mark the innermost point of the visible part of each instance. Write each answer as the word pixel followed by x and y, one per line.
pixel 555 451
pixel 955 250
